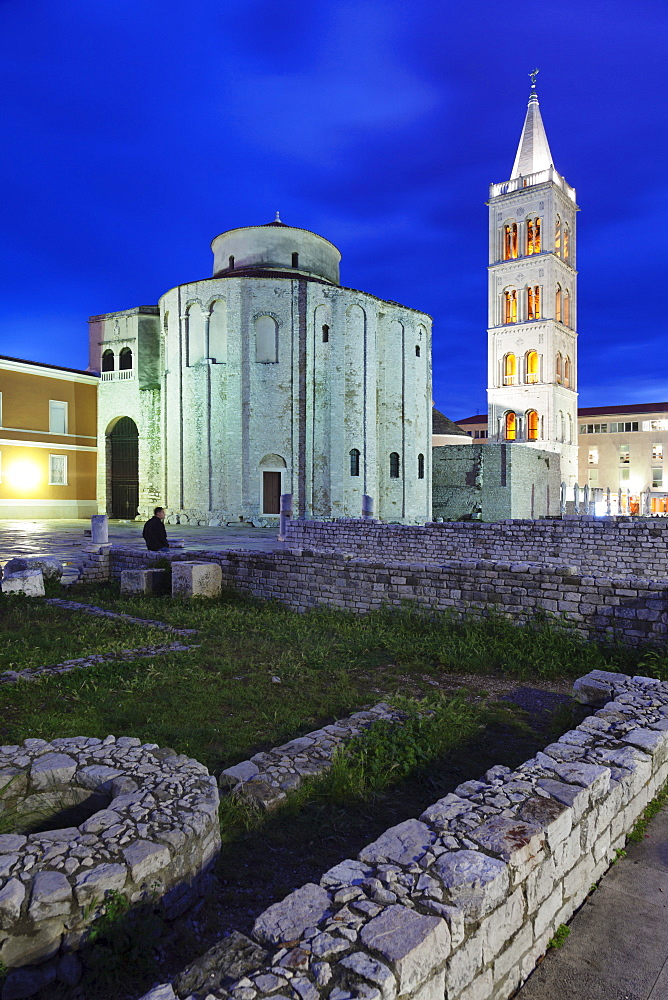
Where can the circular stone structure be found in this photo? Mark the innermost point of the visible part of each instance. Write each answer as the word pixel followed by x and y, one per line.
pixel 92 816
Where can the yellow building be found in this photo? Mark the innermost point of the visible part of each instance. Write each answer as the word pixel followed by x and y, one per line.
pixel 48 453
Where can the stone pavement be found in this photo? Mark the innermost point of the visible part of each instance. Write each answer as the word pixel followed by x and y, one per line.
pixel 65 539
pixel 618 945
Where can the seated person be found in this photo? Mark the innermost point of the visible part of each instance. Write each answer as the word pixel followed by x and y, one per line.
pixel 154 532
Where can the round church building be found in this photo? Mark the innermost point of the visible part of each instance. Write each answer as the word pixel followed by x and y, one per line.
pixel 267 378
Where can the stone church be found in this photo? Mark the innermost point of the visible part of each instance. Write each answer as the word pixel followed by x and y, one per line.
pixel 267 378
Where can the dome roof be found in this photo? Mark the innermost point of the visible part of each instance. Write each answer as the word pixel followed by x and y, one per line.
pixel 274 247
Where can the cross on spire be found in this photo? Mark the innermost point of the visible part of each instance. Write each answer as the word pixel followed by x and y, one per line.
pixel 533 76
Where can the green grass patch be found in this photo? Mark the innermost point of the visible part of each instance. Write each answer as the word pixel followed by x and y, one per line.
pixel 560 936
pixel 639 830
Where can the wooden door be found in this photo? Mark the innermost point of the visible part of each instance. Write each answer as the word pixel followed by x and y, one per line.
pixel 271 493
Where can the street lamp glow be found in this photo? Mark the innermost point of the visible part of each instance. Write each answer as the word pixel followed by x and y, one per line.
pixel 24 475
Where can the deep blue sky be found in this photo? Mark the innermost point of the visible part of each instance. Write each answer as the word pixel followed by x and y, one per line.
pixel 137 130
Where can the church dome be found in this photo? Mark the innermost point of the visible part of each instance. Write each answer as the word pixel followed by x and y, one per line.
pixel 275 248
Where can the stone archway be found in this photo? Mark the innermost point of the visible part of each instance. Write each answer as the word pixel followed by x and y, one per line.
pixel 124 460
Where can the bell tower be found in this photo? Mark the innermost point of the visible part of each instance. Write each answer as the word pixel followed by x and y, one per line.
pixel 532 315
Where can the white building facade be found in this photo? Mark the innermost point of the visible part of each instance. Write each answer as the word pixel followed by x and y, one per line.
pixel 267 378
pixel 532 339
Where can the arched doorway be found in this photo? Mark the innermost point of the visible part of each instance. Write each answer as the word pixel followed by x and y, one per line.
pixel 124 449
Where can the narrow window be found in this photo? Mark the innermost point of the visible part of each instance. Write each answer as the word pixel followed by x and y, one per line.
pixel 394 465
pixel 570 429
pixel 266 339
pixel 125 359
pixel 354 462
pixel 532 425
pixel 295 260
pixel 557 237
pixel 510 370
pixel 624 475
pixel 567 308
pixel 325 333
pixel 624 454
pixel 532 366
pixel 510 306
pixel 536 301
pixel 558 368
pixel 417 350
pixel 530 304
pixel 530 236
pixel 511 426
pixel 108 361
pixel 420 466
pixel 536 238
pixel 592 456
pixel 57 470
pixel 657 452
pixel 231 262
pixel 567 243
pixel 557 304
pixel 562 427
pixel 657 479
pixel 57 417
pixel 567 372
pixel 510 241
pixel 218 332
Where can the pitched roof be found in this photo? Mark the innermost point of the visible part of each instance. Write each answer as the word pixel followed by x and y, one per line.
pixel 533 152
pixel 443 425
pixel 592 411
pixel 43 364
pixel 477 418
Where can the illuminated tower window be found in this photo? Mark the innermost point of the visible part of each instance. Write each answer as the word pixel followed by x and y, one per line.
pixel 532 425
pixel 557 237
pixel 567 243
pixel 536 301
pixel 558 368
pixel 511 426
pixel 557 304
pixel 510 306
pixel 532 366
pixel 567 308
pixel 510 370
pixel 533 302
pixel 510 241
pixel 567 372
pixel 533 235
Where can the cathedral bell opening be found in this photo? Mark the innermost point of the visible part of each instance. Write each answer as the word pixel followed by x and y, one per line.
pixel 124 454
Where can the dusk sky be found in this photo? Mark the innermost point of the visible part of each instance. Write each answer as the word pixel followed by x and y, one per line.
pixel 137 130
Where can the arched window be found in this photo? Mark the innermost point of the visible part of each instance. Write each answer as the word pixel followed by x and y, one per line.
pixel 510 306
pixel 532 425
pixel 532 366
pixel 567 243
pixel 266 339
pixel 195 321
pixel 231 262
pixel 108 361
pixel 510 370
pixel 533 235
pixel 530 314
pixel 295 260
pixel 417 350
pixel 125 359
pixel 533 302
pixel 420 466
pixel 570 429
pixel 511 426
pixel 510 241
pixel 394 465
pixel 218 332
pixel 567 372
pixel 557 304
pixel 354 462
pixel 567 308
pixel 558 368
pixel 557 237
pixel 325 333
pixel 561 426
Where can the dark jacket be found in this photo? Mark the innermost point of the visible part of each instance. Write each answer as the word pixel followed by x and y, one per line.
pixel 155 535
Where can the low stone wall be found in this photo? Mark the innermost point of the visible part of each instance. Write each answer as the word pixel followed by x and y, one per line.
pixel 463 901
pixel 152 827
pixel 632 610
pixel 616 546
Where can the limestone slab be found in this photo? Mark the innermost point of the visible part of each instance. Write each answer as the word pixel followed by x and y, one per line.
pixel 415 945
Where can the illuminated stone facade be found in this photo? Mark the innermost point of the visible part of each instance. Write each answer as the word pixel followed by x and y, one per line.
pixel 532 340
pixel 268 378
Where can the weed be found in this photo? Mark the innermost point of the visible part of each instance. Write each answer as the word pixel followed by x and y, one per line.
pixel 654 664
pixel 560 936
pixel 655 806
pixel 4 969
pixel 619 854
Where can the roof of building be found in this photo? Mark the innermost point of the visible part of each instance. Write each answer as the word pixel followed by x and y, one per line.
pixel 477 418
pixel 591 411
pixel 43 364
pixel 533 152
pixel 443 425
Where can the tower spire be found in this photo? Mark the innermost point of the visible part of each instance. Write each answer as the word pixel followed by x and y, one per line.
pixel 533 152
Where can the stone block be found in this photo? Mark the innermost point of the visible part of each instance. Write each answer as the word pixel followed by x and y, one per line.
pixel 512 956
pixel 144 581
pixel 414 945
pixel 551 816
pixel 403 844
pixel 94 883
pixel 231 776
pixel 12 895
pixel 196 579
pixel 28 582
pixel 499 926
pixel 480 988
pixel 51 896
pixel 21 983
pixel 52 568
pixel 544 919
pixel 520 844
pixel 51 770
pixel 464 965
pixel 374 972
pixel 145 858
pixel 31 949
pixel 287 920
pixel 474 882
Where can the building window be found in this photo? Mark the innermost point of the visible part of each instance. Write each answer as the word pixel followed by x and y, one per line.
pixel 533 236
pixel 567 308
pixel 510 370
pixel 511 426
pixel 624 475
pixel 657 479
pixel 266 339
pixel 567 243
pixel 218 332
pixel 57 417
pixel 583 428
pixel 510 306
pixel 557 304
pixel 570 429
pixel 624 454
pixel 592 456
pixel 532 425
pixel 558 368
pixel 657 452
pixel 417 350
pixel 295 260
pixel 420 466
pixel 533 302
pixel 567 372
pixel 592 476
pixel 557 237
pixel 622 427
pixel 510 241
pixel 354 462
pixel 230 262
pixel 108 361
pixel 532 366
pixel 57 470
pixel 394 465
pixel 125 360
pixel 562 427
pixel 325 333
